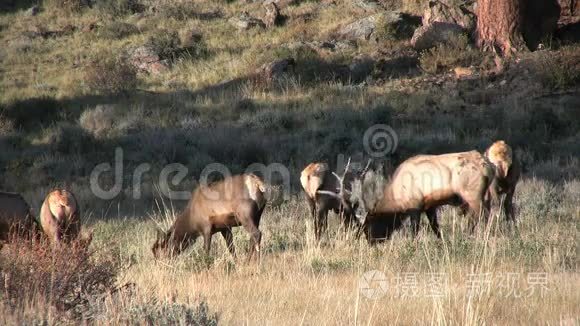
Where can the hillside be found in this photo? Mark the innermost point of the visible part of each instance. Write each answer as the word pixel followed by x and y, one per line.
pixel 144 85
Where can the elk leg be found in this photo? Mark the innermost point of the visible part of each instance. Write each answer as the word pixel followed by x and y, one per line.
pixel 432 216
pixel 207 241
pixel 508 206
pixel 320 222
pixel 311 206
pixel 249 218
pixel 474 214
pixel 229 238
pixel 415 222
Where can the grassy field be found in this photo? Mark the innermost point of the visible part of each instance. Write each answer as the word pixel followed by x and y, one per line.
pixel 69 101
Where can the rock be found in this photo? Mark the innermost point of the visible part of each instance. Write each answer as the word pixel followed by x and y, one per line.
pixel 272 17
pixel 323 47
pixel 360 29
pixel 274 70
pixel 401 25
pixel 144 59
pixel 282 3
pixel 367 5
pixel 32 11
pixel 569 12
pixel 244 22
pixel 440 11
pixel 426 37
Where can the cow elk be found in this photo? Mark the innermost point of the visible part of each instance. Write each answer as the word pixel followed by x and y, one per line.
pixel 321 187
pixel 422 184
pixel 218 207
pixel 60 218
pixel 507 175
pixel 15 215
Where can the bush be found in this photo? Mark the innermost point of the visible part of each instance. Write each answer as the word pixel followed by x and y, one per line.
pixel 66 138
pixel 110 76
pixel 118 8
pixel 448 56
pixel 560 71
pixel 171 313
pixel 68 6
pixel 170 46
pixel 98 121
pixel 69 278
pixel 117 30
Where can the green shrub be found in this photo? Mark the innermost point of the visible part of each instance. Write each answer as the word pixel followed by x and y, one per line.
pixel 448 56
pixel 67 6
pixel 66 138
pixel 110 76
pixel 169 46
pixel 562 70
pixel 117 30
pixel 118 8
pixel 171 313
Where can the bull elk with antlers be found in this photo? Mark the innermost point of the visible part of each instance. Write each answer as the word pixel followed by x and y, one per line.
pixel 322 187
pixel 422 184
pixel 218 207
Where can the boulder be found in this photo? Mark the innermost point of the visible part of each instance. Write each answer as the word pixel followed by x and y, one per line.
pixel 569 12
pixel 431 35
pixel 275 70
pixel 145 59
pixel 367 5
pixel 245 22
pixel 400 24
pixel 440 11
pixel 360 29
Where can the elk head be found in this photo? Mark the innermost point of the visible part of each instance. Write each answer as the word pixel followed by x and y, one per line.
pixel 356 198
pixel 367 190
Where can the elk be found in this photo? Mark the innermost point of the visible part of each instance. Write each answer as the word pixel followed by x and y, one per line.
pixel 218 207
pixel 60 218
pixel 15 215
pixel 321 187
pixel 422 184
pixel 507 175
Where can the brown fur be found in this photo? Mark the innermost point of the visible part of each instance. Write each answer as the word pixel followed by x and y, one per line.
pixel 218 207
pixel 315 177
pixel 60 218
pixel 507 176
pixel 15 215
pixel 425 182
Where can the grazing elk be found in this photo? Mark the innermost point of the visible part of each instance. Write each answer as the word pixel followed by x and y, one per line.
pixel 15 215
pixel 422 184
pixel 60 218
pixel 218 207
pixel 507 175
pixel 321 186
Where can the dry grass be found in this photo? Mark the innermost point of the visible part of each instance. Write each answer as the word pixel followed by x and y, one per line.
pixel 53 128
